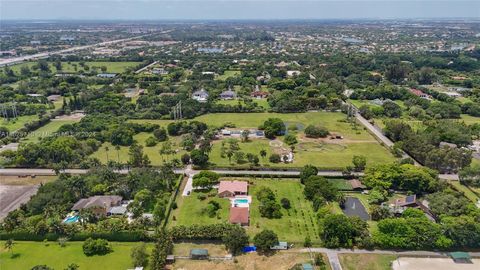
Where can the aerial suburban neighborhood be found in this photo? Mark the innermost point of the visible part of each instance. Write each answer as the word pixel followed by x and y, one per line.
pixel 245 143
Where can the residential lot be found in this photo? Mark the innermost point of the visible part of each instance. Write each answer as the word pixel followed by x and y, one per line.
pixel 280 261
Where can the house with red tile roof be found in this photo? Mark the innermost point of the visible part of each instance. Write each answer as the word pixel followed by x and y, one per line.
pixel 240 216
pixel 232 188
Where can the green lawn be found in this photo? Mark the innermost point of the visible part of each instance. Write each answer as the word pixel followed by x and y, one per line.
pixel 152 152
pixel 112 67
pixel 18 123
pixel 296 223
pixel 46 130
pixel 191 210
pixel 29 254
pixel 228 74
pixel 469 120
pixel 466 191
pixel 366 261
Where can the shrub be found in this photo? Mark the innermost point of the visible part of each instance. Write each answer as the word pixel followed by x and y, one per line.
pixel 96 247
pixel 275 158
pixel 160 134
pixel 150 142
pixel 316 132
pixel 285 203
pixel 264 240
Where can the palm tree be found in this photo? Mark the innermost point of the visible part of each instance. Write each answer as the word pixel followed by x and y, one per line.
pixel 9 245
pixel 106 151
pixel 117 147
pixel 263 153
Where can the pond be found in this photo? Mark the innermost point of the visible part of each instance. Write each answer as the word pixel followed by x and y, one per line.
pixel 354 207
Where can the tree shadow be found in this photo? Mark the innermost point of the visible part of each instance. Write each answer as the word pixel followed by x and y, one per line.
pixel 15 255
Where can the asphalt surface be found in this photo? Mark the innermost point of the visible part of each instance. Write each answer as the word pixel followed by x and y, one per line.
pixel 12 197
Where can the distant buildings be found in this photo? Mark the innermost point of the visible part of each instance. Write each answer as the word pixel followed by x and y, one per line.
pixel 228 95
pixel 200 96
pixel 159 71
pixel 107 75
pixel 420 93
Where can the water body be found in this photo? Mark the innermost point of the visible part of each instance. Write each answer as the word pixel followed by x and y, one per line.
pixel 354 207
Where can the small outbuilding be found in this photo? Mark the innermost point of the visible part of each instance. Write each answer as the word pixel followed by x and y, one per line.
pixel 199 254
pixel 307 266
pixel 280 246
pixel 461 257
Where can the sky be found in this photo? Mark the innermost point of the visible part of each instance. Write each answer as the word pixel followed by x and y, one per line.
pixel 235 9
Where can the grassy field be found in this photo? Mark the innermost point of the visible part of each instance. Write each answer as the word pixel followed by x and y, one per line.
pixel 296 223
pixel 18 123
pixel 47 130
pixel 279 261
pixel 112 67
pixel 366 261
pixel 191 210
pixel 29 254
pixel 466 191
pixel 152 152
pixel 228 74
pixel 25 181
pixel 469 120
pixel 323 154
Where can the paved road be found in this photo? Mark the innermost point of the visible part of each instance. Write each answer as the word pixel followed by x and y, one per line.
pixel 379 134
pixel 34 171
pixel 12 197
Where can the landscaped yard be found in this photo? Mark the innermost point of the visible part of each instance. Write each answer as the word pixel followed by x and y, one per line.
pixel 296 223
pixel 192 210
pixel 366 261
pixel 29 254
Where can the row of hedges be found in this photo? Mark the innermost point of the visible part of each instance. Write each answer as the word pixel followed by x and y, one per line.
pixel 200 232
pixel 173 198
pixel 125 236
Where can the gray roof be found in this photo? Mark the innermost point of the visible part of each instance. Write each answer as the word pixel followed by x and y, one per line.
pixel 118 210
pixel 228 93
pixel 199 252
pixel 97 201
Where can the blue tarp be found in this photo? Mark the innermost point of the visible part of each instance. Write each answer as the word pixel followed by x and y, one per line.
pixel 249 249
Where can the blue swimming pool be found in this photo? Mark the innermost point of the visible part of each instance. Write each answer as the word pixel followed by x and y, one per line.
pixel 241 201
pixel 71 219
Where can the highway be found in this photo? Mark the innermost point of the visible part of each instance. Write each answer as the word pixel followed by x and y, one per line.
pixel 19 59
